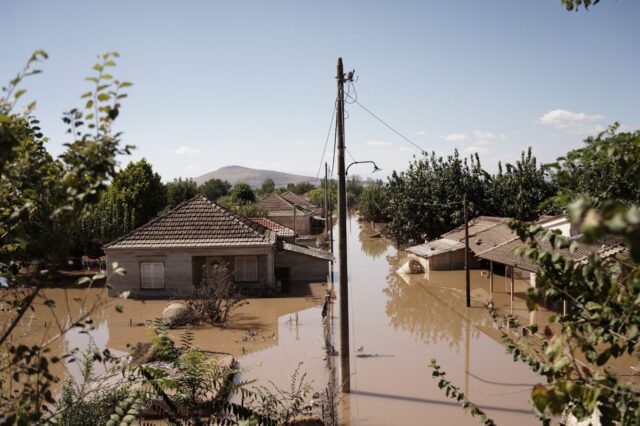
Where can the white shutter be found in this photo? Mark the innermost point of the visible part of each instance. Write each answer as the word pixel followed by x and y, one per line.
pixel 152 275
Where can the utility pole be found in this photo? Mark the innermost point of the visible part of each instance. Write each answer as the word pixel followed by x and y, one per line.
pixel 466 251
pixel 345 368
pixel 326 199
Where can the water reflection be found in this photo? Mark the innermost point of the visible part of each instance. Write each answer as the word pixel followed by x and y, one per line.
pixel 423 310
pixel 371 243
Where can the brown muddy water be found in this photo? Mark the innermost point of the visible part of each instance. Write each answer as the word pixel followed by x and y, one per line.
pixel 404 320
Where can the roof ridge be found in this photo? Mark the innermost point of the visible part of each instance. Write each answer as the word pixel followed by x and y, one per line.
pixel 240 219
pixel 152 221
pixel 236 218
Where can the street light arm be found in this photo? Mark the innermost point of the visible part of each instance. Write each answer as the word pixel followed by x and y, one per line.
pixel 375 166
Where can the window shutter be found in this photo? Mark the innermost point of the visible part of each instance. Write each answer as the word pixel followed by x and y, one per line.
pixel 152 275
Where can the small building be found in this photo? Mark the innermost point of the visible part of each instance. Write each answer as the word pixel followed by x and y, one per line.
pixel 288 213
pixel 170 254
pixel 447 252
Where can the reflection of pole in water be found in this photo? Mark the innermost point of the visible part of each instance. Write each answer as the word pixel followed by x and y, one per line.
pixel 467 339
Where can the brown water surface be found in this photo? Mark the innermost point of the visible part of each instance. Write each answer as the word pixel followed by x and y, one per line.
pixel 404 320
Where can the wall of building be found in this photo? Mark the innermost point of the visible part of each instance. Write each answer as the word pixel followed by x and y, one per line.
pixel 302 222
pixel 181 268
pixel 302 267
pixel 452 261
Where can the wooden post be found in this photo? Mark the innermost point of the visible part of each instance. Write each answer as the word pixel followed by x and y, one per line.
pixel 513 283
pixel 491 280
pixel 345 368
pixel 466 251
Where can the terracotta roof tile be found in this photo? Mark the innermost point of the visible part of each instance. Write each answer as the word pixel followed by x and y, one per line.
pixel 299 200
pixel 280 230
pixel 197 222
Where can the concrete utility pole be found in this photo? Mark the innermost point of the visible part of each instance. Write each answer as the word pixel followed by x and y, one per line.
pixel 345 368
pixel 466 251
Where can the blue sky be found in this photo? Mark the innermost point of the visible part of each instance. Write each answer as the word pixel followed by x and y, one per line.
pixel 252 82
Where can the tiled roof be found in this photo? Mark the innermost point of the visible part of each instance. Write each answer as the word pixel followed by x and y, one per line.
pixel 479 224
pixel 281 230
pixel 275 202
pixel 307 251
pixel 454 239
pixel 195 223
pixel 294 198
pixel 505 253
pixel 491 238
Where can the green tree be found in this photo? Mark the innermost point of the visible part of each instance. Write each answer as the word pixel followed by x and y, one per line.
pixel 520 191
pixel 300 188
pixel 241 193
pixel 426 200
pixel 141 190
pixel 180 191
pixel 214 189
pixel 268 187
pixel 607 167
pixel 372 201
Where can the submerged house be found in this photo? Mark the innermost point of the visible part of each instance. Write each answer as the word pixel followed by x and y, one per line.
pixel 290 210
pixel 170 254
pixel 447 252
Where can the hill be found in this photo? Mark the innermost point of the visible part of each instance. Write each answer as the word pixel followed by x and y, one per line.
pixel 253 177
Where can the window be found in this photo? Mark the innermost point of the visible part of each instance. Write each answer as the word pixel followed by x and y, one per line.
pixel 151 275
pixel 246 268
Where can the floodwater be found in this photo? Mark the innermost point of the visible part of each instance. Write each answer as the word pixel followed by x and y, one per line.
pixel 404 321
pixel 409 320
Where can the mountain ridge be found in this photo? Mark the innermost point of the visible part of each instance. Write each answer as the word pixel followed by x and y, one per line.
pixel 254 177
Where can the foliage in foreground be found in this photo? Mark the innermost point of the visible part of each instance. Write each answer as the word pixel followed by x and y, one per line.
pixel 52 194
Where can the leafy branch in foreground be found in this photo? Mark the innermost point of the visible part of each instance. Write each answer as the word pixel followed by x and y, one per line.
pixel 454 392
pixel 40 201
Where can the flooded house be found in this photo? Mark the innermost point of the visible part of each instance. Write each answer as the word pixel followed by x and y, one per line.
pixel 447 252
pixel 493 246
pixel 172 253
pixel 293 211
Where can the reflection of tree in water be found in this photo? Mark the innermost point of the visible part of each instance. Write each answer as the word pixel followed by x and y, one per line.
pixel 373 247
pixel 424 311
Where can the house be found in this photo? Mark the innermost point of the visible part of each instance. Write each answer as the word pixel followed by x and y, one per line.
pixel 501 250
pixel 170 254
pixel 447 252
pixel 289 213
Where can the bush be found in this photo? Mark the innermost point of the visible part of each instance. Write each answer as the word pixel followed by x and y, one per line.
pixel 216 297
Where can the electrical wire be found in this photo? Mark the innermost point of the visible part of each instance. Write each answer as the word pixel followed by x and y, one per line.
pixel 326 142
pixel 415 145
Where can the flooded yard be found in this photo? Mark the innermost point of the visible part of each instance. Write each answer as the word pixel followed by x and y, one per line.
pixel 403 321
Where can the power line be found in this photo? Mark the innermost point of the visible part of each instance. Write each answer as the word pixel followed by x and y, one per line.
pixel 326 142
pixel 415 145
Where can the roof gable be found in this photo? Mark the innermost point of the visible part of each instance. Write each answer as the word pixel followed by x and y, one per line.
pixel 195 223
pixel 294 198
pixel 276 203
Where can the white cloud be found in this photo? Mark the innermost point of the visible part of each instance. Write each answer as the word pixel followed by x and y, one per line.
pixel 407 149
pixel 378 143
pixel 454 137
pixel 185 150
pixel 484 136
pixel 572 122
pixel 421 133
pixel 298 142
